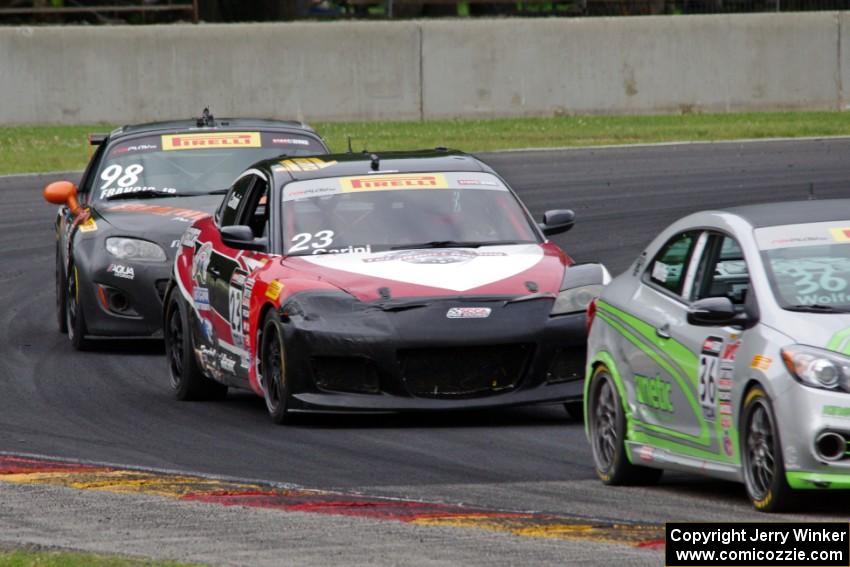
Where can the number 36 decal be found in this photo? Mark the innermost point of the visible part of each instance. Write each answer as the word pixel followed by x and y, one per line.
pixel 302 240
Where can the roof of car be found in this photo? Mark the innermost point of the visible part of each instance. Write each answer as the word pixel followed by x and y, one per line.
pixel 219 124
pixel 793 212
pixel 339 165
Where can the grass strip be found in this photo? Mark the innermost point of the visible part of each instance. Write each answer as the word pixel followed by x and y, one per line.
pixel 39 558
pixel 25 149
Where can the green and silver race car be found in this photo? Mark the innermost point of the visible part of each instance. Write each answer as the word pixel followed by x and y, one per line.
pixel 725 350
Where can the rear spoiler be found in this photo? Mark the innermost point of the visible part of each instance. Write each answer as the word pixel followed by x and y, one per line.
pixel 97 139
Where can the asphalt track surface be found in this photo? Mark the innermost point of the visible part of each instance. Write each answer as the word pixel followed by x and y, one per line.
pixel 114 405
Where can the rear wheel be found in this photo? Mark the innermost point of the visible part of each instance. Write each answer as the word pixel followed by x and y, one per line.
pixel 75 321
pixel 764 470
pixel 273 371
pixel 608 434
pixel 187 379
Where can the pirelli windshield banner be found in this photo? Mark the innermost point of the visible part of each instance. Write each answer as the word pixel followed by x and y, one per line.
pixel 766 544
pixel 390 182
pixel 216 140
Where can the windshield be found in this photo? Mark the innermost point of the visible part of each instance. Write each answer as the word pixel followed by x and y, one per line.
pixel 808 264
pixel 401 211
pixel 189 164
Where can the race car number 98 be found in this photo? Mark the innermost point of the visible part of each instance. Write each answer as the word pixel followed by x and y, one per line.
pixel 124 177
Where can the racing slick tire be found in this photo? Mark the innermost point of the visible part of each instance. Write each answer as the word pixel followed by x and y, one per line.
pixel 607 423
pixel 761 455
pixel 273 370
pixel 187 379
pixel 75 322
pixel 61 318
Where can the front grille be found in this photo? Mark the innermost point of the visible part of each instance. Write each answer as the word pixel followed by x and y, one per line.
pixel 161 288
pixel 567 366
pixel 345 374
pixel 463 372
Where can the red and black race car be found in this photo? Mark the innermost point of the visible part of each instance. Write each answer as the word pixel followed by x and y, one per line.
pixel 117 234
pixel 405 281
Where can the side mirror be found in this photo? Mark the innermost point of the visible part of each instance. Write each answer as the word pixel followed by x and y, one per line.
pixel 715 312
pixel 557 221
pixel 62 193
pixel 241 237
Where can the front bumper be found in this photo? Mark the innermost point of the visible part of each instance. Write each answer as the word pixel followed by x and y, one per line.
pixel 802 414
pixel 116 305
pixel 345 355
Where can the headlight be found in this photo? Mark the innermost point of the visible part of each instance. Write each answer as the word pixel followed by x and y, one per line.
pixel 817 367
pixel 575 299
pixel 134 249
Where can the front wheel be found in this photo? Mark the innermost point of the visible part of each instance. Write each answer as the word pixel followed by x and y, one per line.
pixel 75 321
pixel 608 435
pixel 187 380
pixel 273 371
pixel 764 470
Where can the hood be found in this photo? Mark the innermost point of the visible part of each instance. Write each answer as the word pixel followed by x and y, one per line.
pixel 829 331
pixel 159 220
pixel 511 270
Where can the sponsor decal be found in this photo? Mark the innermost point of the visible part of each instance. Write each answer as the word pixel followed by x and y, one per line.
pixel 345 250
pixel 659 272
pixel 227 363
pixel 724 396
pixel 247 291
pixel 291 194
pixel 712 345
pixel 761 362
pixel 725 408
pixel 211 140
pixel 106 193
pixel 468 313
pixel 207 330
pixel 654 392
pixel 121 271
pixel 185 214
pixel 306 164
pixel 88 226
pixel 445 256
pixel 841 234
pixel 727 444
pixel 245 361
pixel 724 384
pixel 234 201
pixel 726 422
pixel 393 182
pixel 201 297
pixel 175 243
pixel 837 411
pixel 484 182
pixel 200 262
pixel 291 141
pixel 237 279
pixel 646 453
pixel 274 289
pixel 731 351
pixel 125 149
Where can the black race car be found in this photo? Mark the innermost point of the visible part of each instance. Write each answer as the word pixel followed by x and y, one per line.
pixel 116 235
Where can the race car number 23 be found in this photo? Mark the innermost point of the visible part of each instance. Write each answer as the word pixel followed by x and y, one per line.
pixel 235 313
pixel 302 240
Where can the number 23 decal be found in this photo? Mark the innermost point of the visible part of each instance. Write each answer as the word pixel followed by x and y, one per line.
pixel 302 240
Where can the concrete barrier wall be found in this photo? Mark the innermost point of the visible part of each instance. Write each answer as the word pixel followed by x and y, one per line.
pixel 427 69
